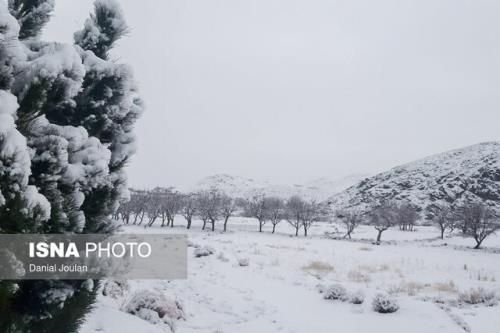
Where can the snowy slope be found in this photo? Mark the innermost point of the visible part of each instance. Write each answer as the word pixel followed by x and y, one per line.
pixel 277 292
pixel 470 173
pixel 319 189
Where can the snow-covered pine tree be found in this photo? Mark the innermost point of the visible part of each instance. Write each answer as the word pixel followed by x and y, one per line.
pixel 21 206
pixel 107 106
pixel 32 15
pixel 66 121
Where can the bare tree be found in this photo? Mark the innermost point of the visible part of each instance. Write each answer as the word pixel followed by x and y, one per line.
pixel 275 211
pixel 313 212
pixel 442 217
pixel 153 206
pixel 407 215
pixel 162 201
pixel 351 218
pixel 167 204
pixel 135 207
pixel 124 211
pixel 480 221
pixel 465 215
pixel 214 211
pixel 256 208
pixel 208 207
pixel 138 201
pixel 189 208
pixel 202 207
pixel 383 216
pixel 227 207
pixel 295 208
pixel 173 205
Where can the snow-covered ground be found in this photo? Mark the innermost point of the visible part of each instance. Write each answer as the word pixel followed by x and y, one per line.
pixel 279 289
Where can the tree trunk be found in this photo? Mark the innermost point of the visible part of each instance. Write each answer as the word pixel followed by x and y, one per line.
pixel 260 226
pixel 442 233
pixel 188 223
pixel 204 224
pixel 225 224
pixel 379 236
pixel 305 230
pixel 297 230
pixel 274 228
pixel 172 222
pixel 142 218
pixel 213 225
pixel 478 244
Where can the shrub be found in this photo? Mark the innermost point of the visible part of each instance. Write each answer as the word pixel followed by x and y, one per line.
pixel 477 296
pixel 383 303
pixel 447 286
pixel 115 288
pixel 244 262
pixel 357 298
pixel 203 251
pixel 336 292
pixel 154 307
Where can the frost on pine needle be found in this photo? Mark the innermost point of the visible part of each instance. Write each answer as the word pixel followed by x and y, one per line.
pixel 31 15
pixel 103 28
pixel 10 264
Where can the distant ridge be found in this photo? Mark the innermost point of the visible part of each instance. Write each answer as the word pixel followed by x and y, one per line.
pixel 318 189
pixel 470 173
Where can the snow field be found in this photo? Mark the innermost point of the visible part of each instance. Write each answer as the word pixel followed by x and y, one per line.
pixel 278 288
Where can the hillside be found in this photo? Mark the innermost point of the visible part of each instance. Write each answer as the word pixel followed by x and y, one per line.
pixel 319 189
pixel 470 173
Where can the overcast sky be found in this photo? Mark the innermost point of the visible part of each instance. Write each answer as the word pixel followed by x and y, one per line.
pixel 289 91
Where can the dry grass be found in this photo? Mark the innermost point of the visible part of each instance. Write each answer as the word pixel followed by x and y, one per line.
pixel 358 276
pixel 410 288
pixel 318 266
pixel 374 268
pixel 365 248
pixel 478 295
pixel 445 287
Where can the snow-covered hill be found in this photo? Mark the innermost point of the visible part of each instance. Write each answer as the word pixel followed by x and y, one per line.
pixel 319 189
pixel 470 173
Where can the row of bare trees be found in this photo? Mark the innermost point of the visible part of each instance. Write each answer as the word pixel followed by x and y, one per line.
pixel 474 220
pixel 164 204
pixel 298 212
pixel 211 207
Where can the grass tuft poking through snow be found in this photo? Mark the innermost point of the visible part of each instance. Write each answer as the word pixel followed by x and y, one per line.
pixel 478 295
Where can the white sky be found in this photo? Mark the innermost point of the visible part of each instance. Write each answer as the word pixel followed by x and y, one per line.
pixel 289 91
